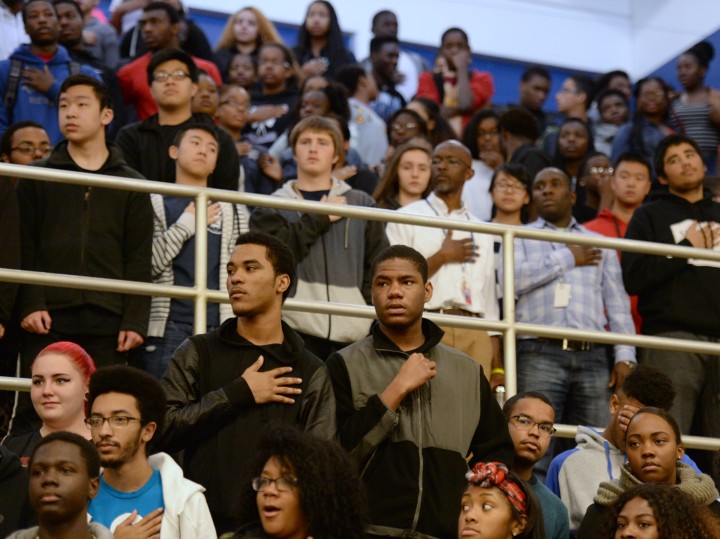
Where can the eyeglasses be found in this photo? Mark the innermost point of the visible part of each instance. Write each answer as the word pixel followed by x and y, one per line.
pixel 509 187
pixel 177 75
pixel 115 422
pixel 274 63
pixel 523 422
pixel 603 171
pixel 451 162
pixel 234 104
pixel 397 126
pixel 29 149
pixel 283 484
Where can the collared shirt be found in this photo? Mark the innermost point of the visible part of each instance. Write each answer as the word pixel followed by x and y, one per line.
pixel 469 286
pixel 368 134
pixel 540 266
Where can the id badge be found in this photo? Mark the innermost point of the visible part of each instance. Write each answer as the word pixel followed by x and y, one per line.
pixel 562 295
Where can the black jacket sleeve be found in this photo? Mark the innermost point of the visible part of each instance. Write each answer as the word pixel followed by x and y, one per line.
pixel 9 245
pixel 32 297
pixel 596 522
pixel 491 441
pixel 137 255
pixel 300 236
pixel 227 170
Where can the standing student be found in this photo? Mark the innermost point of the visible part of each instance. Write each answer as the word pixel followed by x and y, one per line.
pixel 195 152
pixel 322 241
pixel 411 410
pixel 224 386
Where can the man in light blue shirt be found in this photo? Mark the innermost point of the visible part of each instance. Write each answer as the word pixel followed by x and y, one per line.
pixel 574 287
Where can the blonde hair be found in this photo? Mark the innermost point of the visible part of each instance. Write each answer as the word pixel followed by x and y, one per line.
pixel 267 33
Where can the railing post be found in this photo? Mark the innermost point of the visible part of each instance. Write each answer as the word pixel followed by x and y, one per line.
pixel 509 349
pixel 201 204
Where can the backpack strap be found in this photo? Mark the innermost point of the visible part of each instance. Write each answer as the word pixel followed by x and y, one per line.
pixel 11 90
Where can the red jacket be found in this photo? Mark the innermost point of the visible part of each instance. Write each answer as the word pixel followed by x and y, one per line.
pixel 135 87
pixel 608 225
pixel 481 85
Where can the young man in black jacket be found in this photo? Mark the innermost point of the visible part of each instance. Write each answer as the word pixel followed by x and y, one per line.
pixel 679 297
pixel 224 386
pixel 413 411
pixel 172 75
pixel 82 230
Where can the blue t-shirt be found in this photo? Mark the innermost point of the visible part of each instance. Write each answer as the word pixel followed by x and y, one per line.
pixel 182 310
pixel 111 507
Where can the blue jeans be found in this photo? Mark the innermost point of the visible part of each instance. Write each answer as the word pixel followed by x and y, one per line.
pixel 157 351
pixel 576 383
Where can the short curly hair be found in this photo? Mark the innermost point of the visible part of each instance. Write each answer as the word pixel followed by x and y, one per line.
pixel 330 490
pixel 676 514
pixel 649 386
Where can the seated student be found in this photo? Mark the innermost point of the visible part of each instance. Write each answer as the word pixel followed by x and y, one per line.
pixel 288 483
pixel 60 375
pixel 15 510
pixel 260 172
pixel 459 89
pixel 139 492
pixel 524 412
pixel 497 504
pixel 660 511
pixel 614 111
pixel 172 75
pixel 275 95
pixel 195 152
pixel 654 449
pixel 575 474
pixel 64 470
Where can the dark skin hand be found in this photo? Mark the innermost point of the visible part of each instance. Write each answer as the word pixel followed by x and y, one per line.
pixel 40 80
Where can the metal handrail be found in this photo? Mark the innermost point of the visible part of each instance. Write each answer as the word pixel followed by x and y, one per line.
pixel 201 295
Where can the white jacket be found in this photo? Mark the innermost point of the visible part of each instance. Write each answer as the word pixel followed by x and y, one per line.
pixel 186 512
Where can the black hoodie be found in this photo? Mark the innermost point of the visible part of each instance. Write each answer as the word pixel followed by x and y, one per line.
pixel 674 294
pixel 213 416
pixel 88 231
pixel 15 510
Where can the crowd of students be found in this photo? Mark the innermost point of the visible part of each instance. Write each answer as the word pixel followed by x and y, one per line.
pixel 405 436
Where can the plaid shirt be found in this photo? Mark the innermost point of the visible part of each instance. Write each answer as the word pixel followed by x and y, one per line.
pixel 597 295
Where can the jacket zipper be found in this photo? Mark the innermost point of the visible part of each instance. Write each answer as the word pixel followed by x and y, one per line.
pixel 85 226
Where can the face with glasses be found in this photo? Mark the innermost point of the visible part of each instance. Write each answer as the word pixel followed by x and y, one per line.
pixel 531 429
pixel 404 127
pixel 652 98
pixel 274 69
pixel 28 144
pixel 172 86
pixel 278 501
pixel 597 174
pixel 233 109
pixel 117 429
pixel 58 390
pixel 508 193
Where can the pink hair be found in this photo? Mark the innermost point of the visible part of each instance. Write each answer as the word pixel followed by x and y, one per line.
pixel 75 353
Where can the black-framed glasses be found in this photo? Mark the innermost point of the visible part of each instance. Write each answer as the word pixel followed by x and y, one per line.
pixel 116 422
pixel 523 422
pixel 30 149
pixel 283 484
pixel 177 75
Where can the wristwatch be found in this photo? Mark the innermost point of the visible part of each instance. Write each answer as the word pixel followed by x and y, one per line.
pixel 629 364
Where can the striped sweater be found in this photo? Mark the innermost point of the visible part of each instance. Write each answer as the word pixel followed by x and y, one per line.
pixel 169 240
